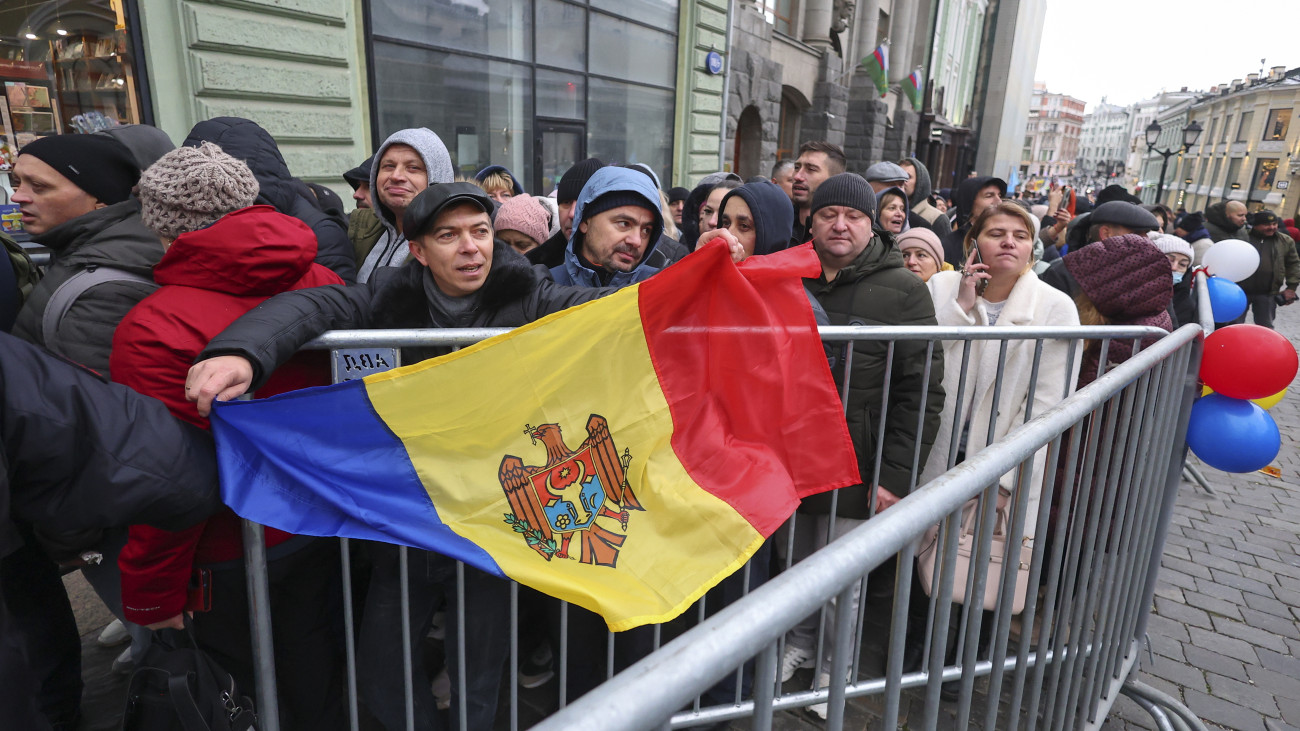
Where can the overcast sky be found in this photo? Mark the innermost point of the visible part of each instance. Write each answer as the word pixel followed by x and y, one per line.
pixel 1128 50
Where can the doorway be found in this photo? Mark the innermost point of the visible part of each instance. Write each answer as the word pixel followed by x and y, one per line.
pixel 558 146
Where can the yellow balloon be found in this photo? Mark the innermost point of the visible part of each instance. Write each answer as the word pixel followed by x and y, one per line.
pixel 1265 403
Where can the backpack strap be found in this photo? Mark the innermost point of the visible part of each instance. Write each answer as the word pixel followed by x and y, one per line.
pixel 73 287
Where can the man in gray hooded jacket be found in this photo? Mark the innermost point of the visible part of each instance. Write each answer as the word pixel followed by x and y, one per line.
pixel 407 163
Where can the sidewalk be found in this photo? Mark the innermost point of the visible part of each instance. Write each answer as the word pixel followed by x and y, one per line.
pixel 1224 632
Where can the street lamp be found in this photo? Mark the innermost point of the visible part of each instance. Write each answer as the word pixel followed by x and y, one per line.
pixel 1190 134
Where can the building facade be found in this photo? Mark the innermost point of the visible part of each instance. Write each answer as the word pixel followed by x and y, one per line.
pixel 1142 114
pixel 1249 150
pixel 1013 32
pixel 1103 145
pixel 1052 135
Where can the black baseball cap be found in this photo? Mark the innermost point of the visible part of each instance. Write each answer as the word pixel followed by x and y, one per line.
pixel 424 210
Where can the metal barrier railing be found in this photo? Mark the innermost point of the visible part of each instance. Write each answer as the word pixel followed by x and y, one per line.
pixel 1107 456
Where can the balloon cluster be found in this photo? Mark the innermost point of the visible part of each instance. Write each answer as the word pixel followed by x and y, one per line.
pixel 1245 369
pixel 1227 262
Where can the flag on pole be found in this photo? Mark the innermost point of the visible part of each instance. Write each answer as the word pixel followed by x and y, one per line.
pixel 877 65
pixel 912 88
pixel 625 455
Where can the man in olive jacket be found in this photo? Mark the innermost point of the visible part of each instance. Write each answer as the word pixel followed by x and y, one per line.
pixel 864 282
pixel 1279 265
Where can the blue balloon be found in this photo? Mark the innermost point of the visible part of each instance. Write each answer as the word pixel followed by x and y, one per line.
pixel 1232 435
pixel 1227 300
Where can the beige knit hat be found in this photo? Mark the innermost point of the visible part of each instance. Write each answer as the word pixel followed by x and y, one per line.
pixel 192 187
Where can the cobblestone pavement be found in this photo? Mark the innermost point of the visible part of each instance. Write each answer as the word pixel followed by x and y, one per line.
pixel 1224 631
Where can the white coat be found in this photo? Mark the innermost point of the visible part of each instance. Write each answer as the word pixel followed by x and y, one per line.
pixel 1031 303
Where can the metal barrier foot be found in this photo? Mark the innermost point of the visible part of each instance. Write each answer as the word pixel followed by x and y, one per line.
pixel 1162 707
pixel 1193 474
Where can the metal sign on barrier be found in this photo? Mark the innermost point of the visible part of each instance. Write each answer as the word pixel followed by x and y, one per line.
pixel 349 364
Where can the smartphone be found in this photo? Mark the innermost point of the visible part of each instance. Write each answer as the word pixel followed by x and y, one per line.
pixel 982 284
pixel 200 590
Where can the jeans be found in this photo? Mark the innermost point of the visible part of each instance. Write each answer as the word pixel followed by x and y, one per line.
pixel 432 581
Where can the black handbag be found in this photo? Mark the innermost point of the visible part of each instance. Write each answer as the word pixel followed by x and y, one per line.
pixel 177 687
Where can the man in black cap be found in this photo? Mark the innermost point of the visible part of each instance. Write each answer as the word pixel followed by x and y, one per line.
pixel 1113 218
pixel 365 228
pixel 74 193
pixel 551 252
pixel 1278 264
pixel 676 199
pixel 456 277
pixel 864 282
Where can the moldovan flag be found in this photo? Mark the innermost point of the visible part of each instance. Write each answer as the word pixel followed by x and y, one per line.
pixel 625 455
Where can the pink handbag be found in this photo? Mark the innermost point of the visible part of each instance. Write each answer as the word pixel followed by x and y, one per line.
pixel 927 558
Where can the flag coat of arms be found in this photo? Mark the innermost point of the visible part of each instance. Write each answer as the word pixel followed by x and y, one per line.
pixel 625 455
pixel 877 65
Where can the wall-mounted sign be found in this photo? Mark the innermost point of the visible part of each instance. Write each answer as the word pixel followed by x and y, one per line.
pixel 713 62
pixel 1283 184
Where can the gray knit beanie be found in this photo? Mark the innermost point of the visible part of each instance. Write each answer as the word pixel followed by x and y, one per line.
pixel 192 187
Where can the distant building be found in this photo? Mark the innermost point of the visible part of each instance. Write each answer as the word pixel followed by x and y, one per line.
pixel 1052 135
pixel 1142 114
pixel 1103 145
pixel 1248 149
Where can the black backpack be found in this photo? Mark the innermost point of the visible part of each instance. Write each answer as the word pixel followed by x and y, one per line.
pixel 177 687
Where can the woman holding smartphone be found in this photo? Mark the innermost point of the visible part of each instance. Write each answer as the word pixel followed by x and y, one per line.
pixel 998 287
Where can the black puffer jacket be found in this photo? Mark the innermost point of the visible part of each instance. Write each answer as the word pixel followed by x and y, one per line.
pixel 964 201
pixel 110 236
pixel 247 141
pixel 394 297
pixel 877 290
pixel 81 454
pixel 1220 227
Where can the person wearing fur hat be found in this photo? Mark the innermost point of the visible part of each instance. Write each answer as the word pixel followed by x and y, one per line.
pixel 224 256
pixel 864 282
pixel 521 222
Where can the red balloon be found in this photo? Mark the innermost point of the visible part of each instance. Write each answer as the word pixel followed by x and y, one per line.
pixel 1248 361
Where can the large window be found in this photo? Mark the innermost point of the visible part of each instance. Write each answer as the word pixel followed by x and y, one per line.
pixel 1243 128
pixel 1279 121
pixel 65 66
pixel 504 82
pixel 1265 174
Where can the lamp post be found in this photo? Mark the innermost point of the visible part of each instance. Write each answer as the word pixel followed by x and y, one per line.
pixel 1191 133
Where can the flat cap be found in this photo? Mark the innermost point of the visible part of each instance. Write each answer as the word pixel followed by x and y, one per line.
pixel 886 172
pixel 424 210
pixel 1123 213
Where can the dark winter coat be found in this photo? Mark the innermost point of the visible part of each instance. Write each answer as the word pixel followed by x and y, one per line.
pixel 1128 281
pixel 963 202
pixel 512 295
pixel 110 236
pixel 551 252
pixel 207 279
pixel 1220 228
pixel 81 454
pixel 877 290
pixel 1278 264
pixel 247 141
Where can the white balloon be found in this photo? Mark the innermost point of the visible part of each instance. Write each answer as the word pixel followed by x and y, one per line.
pixel 1232 259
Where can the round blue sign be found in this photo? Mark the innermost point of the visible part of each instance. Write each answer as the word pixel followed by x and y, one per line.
pixel 713 62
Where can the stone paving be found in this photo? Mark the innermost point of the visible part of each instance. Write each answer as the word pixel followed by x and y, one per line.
pixel 1224 631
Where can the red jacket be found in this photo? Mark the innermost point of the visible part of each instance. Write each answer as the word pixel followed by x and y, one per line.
pixel 208 279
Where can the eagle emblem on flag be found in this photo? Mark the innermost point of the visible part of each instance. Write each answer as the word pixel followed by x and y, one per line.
pixel 571 506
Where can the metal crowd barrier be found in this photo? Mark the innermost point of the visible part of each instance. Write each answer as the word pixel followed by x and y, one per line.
pixel 1111 457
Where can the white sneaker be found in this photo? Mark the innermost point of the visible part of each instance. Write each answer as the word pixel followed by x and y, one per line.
pixel 819 709
pixel 794 659
pixel 123 664
pixel 114 634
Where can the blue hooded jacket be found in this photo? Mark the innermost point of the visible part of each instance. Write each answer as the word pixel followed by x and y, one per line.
pixel 609 180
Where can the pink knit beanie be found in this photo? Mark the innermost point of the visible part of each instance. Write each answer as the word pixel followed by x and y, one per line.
pixel 524 214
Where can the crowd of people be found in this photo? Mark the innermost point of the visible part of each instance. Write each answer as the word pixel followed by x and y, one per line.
pixel 195 274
